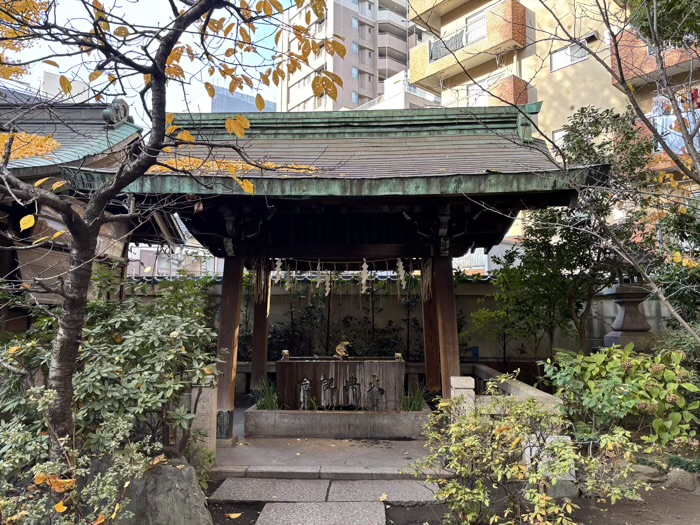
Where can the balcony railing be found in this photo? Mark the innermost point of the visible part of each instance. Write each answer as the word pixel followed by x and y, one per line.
pixel 484 35
pixel 474 30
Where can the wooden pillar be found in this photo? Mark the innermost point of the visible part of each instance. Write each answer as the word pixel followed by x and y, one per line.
pixel 446 307
pixel 229 328
pixel 261 323
pixel 431 342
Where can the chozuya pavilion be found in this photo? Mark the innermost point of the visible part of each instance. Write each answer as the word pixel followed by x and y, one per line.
pixel 426 185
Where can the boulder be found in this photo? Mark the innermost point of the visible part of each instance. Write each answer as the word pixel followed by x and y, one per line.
pixel 168 494
pixel 563 489
pixel 681 480
pixel 647 474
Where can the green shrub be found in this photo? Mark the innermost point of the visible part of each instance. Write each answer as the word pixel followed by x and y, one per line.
pixel 505 457
pixel 138 369
pixel 692 466
pixel 602 389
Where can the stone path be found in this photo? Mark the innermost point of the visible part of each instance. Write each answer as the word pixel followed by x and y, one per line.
pixel 323 501
pixel 322 514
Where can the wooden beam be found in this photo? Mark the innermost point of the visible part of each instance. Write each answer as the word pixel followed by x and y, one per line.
pixel 261 322
pixel 333 251
pixel 229 328
pixel 431 341
pixel 446 307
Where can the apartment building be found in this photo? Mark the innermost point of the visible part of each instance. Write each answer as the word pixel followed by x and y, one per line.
pixel 502 52
pixel 378 36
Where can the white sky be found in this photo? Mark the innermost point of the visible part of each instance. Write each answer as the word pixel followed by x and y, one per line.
pixel 191 96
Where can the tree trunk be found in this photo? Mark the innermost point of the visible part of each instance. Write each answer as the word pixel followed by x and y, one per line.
pixel 582 336
pixel 65 349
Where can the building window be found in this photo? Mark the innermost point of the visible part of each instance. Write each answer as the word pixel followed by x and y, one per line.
pixel 355 97
pixel 568 56
pixel 356 2
pixel 476 28
pixel 355 72
pixel 355 23
pixel 355 48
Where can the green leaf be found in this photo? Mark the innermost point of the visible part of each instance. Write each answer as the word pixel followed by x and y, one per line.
pixel 690 387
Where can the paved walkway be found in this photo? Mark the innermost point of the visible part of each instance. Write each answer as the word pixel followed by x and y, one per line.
pixel 324 502
pixel 320 481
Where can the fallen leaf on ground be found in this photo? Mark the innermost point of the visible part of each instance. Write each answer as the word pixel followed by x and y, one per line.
pixel 234 516
pixel 383 497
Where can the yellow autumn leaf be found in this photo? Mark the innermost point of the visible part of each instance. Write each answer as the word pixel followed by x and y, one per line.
pixel 57 235
pixel 65 84
pixel 243 121
pixel 147 269
pixel 157 461
pixel 51 63
pixel 677 257
pixel 516 442
pixel 233 516
pixel 100 520
pixel 247 186
pixel 121 32
pixel 61 485
pixel 12 351
pixel 244 35
pixel 682 210
pixel 171 130
pixel 259 102
pixel 147 79
pixel 169 118
pixel 58 185
pixel 40 478
pixel 41 181
pixel 234 128
pixel 116 510
pixel 41 239
pixel 208 371
pixel 383 497
pixel 211 91
pixel 25 145
pixel 26 222
pixel 277 5
pixel 95 75
pixel 185 136
pixel 60 507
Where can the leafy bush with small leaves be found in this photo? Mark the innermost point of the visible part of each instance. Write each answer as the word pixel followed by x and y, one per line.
pixel 506 455
pixel 600 390
pixel 141 368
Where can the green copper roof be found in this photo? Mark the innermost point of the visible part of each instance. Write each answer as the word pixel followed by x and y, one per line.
pixel 80 130
pixel 444 151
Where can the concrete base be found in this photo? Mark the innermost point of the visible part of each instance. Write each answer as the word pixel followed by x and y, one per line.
pixel 335 424
pixel 227 443
pixel 641 340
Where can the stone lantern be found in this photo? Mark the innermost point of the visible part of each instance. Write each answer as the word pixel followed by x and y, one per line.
pixel 630 325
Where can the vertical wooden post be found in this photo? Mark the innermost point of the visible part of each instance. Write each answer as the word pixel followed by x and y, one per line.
pixel 261 323
pixel 431 342
pixel 446 307
pixel 229 328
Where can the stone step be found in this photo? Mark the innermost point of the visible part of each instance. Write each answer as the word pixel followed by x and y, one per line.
pixel 322 514
pixel 256 490
pixel 339 472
